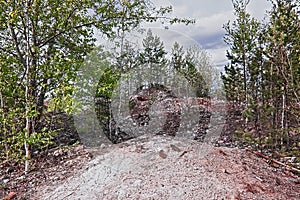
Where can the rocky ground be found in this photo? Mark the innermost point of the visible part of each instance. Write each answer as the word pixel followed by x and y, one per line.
pixel 152 167
pixel 53 165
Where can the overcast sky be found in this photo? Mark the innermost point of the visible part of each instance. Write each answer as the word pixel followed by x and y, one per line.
pixel 210 16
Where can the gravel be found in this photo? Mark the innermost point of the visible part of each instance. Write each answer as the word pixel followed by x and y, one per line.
pixel 160 167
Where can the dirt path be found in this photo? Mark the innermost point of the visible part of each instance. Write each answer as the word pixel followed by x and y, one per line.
pixel 158 167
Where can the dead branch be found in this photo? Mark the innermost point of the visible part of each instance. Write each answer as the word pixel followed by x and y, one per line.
pixel 288 167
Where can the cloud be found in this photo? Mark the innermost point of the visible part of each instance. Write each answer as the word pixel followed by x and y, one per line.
pixel 200 8
pixel 169 37
pixel 207 32
pixel 211 41
pixel 258 8
pixel 210 17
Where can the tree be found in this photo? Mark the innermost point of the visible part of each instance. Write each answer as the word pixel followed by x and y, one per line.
pixel 43 43
pixel 232 83
pixel 194 64
pixel 150 65
pixel 242 37
pixel 282 50
pixel 266 58
pixel 199 70
pixel 153 50
pixel 129 60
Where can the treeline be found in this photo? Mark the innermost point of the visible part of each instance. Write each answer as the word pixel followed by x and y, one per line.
pixel 42 46
pixel 46 47
pixel 263 75
pixel 130 66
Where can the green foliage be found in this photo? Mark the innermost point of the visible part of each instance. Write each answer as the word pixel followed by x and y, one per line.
pixel 127 60
pixel 195 66
pixel 264 58
pixel 242 36
pixel 153 50
pixel 107 83
pixel 42 45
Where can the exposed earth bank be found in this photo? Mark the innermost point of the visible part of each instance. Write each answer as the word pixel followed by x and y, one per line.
pixel 160 167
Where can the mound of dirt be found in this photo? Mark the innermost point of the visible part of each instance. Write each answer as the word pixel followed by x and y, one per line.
pixel 160 167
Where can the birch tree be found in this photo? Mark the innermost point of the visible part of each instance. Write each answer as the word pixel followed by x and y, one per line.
pixel 42 45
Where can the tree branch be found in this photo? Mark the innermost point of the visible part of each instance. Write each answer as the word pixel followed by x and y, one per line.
pixel 47 40
pixel 16 43
pixel 290 168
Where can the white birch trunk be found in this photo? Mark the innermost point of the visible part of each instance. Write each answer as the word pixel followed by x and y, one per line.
pixel 283 115
pixel 27 99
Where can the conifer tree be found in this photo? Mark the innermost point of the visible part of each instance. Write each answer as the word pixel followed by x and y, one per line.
pixel 265 57
pixel 282 50
pixel 242 36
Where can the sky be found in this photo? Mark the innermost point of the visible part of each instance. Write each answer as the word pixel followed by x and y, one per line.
pixel 210 15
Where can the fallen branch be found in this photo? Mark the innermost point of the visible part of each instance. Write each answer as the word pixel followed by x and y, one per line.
pixel 288 167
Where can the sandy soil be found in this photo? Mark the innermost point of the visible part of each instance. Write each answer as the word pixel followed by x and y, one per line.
pixel 160 167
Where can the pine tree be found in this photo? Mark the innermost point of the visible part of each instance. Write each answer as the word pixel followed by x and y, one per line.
pixel 153 50
pixel 194 64
pixel 265 58
pixel 242 37
pixel 283 55
pixel 233 84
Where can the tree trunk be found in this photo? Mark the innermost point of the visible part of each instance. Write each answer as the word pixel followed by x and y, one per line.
pixel 283 117
pixel 27 97
pixel 28 119
pixel 4 126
